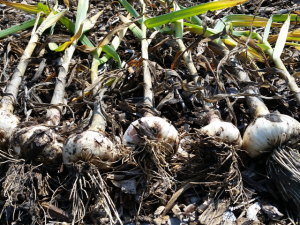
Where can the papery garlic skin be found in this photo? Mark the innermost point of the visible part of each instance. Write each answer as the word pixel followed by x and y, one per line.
pixel 225 131
pixel 163 131
pixel 90 146
pixel 8 123
pixel 269 131
pixel 40 143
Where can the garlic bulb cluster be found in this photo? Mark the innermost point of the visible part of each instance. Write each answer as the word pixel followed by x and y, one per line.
pixel 153 128
pixel 269 131
pixel 226 132
pixel 90 146
pixel 38 143
pixel 8 123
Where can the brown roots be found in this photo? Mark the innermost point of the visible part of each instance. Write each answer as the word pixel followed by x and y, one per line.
pixel 283 168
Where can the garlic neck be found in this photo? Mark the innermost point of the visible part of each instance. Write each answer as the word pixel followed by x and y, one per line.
pixel 255 104
pixel 213 117
pixel 7 103
pixel 98 122
pixel 148 114
pixel 53 116
pixel 60 85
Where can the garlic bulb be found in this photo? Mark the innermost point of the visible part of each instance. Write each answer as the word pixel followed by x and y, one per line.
pixel 38 143
pixel 154 128
pixel 90 146
pixel 226 132
pixel 8 123
pixel 149 127
pixel 269 131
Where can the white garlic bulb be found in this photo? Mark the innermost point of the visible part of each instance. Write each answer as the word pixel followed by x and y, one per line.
pixel 269 131
pixel 160 130
pixel 90 146
pixel 226 132
pixel 8 123
pixel 39 143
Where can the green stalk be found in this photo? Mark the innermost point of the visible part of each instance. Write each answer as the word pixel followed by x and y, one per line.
pixel 8 101
pixel 192 19
pixel 186 56
pixel 191 11
pixel 134 28
pixel 276 58
pixel 279 64
pixel 19 27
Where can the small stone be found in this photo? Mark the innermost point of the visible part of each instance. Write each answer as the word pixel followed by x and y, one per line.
pixel 129 186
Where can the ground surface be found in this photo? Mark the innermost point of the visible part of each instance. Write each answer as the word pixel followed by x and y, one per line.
pixel 207 182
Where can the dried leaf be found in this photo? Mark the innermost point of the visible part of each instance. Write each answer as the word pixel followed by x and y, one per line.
pixel 32 9
pixel 66 2
pixel 106 39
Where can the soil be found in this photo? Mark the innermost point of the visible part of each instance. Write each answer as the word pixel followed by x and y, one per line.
pixel 206 182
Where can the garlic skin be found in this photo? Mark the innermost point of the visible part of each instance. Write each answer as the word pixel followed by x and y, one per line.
pixel 226 132
pixel 269 131
pixel 161 130
pixel 90 146
pixel 40 143
pixel 8 123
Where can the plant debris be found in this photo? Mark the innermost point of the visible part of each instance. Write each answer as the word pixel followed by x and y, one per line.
pixel 126 128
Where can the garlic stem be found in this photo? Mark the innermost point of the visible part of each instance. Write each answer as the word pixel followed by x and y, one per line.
pixel 148 94
pixel 189 62
pixel 213 117
pixel 286 75
pixel 98 121
pixel 187 55
pixel 255 104
pixel 54 113
pixel 59 91
pixel 12 89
